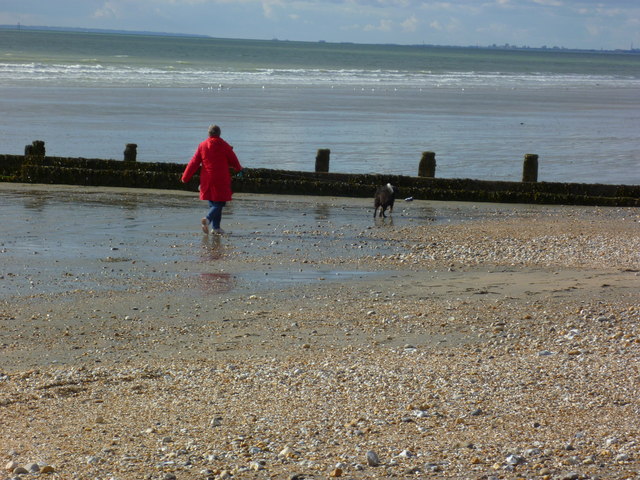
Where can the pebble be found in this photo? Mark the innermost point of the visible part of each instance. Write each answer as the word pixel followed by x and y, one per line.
pixel 405 454
pixel 515 460
pixel 336 472
pixel 532 452
pixel 286 452
pixel 339 399
pixel 372 459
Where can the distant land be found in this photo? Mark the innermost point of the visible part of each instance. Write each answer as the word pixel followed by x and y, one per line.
pixel 506 46
pixel 97 30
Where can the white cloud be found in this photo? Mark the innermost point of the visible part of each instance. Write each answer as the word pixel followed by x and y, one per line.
pixel 410 24
pixel 384 25
pixel 108 10
pixel 269 8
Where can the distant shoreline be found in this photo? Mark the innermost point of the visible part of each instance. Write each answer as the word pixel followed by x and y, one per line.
pixel 508 47
pixel 38 28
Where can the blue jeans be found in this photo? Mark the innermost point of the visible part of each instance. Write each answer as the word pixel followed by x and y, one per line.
pixel 215 213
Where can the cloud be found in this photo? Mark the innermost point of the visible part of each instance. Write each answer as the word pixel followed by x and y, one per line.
pixel 107 10
pixel 448 25
pixel 410 24
pixel 383 26
pixel 269 8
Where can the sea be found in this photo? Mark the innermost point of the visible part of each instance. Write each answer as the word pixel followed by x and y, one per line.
pixel 375 107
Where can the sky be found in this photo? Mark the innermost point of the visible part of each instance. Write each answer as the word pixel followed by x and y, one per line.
pixel 585 24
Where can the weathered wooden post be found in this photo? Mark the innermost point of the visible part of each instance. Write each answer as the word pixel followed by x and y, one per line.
pixel 130 152
pixel 36 149
pixel 322 160
pixel 427 167
pixel 530 168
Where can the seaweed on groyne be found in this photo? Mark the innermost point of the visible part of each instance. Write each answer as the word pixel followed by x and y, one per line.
pixel 132 174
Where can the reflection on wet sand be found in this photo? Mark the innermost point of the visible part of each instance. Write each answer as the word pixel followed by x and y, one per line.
pixel 217 282
pixel 322 211
pixel 212 248
pixel 37 203
pixel 388 221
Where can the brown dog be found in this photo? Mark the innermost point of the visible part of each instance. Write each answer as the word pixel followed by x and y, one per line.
pixel 385 198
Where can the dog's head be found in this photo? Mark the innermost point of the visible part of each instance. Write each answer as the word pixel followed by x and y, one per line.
pixel 391 189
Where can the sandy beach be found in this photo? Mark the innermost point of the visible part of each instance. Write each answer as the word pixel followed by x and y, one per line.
pixel 450 340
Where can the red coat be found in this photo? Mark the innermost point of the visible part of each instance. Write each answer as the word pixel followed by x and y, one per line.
pixel 215 156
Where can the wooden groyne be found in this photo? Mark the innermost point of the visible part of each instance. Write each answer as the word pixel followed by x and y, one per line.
pixel 36 168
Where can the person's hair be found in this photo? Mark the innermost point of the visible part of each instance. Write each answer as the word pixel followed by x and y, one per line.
pixel 214 131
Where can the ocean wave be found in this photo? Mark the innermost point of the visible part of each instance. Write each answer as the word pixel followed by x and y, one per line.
pixel 95 74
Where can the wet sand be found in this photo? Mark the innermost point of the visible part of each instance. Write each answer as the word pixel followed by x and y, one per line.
pixel 454 340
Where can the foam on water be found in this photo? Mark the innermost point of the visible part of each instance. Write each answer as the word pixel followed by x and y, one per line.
pixel 96 74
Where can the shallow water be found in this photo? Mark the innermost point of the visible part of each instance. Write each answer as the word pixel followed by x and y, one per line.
pixel 64 240
pixel 59 239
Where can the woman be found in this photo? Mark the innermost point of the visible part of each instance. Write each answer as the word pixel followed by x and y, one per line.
pixel 214 157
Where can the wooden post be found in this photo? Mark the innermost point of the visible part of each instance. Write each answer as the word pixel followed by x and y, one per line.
pixel 322 160
pixel 530 168
pixel 427 167
pixel 36 149
pixel 130 152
